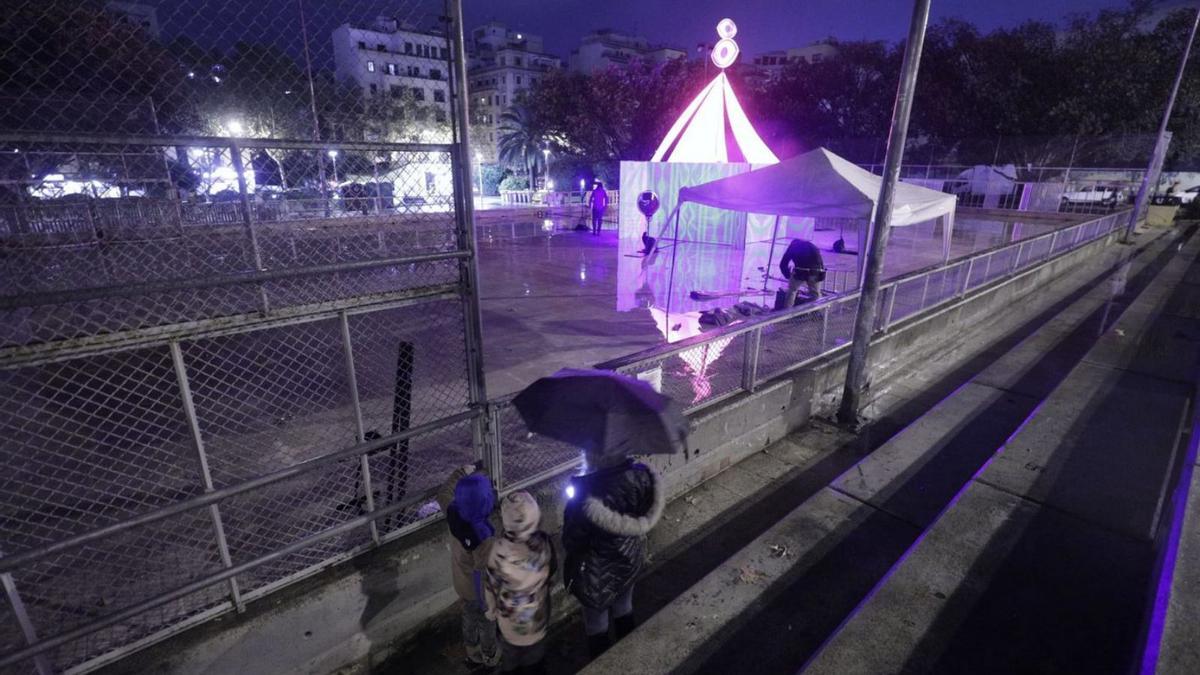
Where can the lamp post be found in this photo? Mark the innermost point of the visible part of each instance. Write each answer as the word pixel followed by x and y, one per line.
pixel 546 155
pixel 479 172
pixel 333 155
pixel 864 319
pixel 1150 180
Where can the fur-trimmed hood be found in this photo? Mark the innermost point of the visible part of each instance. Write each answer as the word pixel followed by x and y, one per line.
pixel 623 524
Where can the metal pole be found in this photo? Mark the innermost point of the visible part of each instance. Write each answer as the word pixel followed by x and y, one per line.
pixel 468 268
pixel 312 103
pixel 248 220
pixel 771 255
pixel 40 662
pixel 214 511
pixel 1160 144
pixel 864 320
pixel 360 430
pixel 751 342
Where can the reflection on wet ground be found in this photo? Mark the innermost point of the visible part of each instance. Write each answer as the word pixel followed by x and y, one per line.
pixel 554 298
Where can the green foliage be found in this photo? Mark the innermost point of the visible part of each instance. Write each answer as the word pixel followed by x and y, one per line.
pixel 493 174
pixel 617 113
pixel 1092 90
pixel 514 182
pixel 521 141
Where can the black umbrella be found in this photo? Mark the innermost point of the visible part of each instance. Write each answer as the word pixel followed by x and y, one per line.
pixel 603 412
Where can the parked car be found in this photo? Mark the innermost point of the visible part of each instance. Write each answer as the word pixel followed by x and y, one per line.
pixel 1189 195
pixel 1095 194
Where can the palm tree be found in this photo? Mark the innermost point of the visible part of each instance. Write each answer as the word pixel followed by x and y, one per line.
pixel 521 140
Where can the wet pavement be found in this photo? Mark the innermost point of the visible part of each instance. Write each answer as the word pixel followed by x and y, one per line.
pixel 554 298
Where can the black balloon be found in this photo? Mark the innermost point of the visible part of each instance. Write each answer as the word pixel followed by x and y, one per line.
pixel 647 203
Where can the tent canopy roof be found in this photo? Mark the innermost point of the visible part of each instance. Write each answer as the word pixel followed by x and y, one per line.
pixel 714 128
pixel 817 184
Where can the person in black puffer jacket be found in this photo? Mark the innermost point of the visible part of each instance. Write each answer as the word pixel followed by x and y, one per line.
pixel 604 536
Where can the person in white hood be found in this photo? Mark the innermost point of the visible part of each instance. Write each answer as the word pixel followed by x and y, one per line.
pixel 517 586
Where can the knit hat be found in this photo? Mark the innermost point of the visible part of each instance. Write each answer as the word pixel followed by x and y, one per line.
pixel 474 500
pixel 521 515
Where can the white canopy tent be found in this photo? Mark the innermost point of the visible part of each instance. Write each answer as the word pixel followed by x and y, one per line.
pixel 820 184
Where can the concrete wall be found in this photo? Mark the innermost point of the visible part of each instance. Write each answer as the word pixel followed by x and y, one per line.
pixel 359 613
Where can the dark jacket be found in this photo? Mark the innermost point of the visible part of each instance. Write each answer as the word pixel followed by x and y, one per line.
pixel 803 255
pixel 604 531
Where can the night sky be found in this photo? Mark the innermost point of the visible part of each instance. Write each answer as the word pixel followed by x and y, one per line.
pixel 763 25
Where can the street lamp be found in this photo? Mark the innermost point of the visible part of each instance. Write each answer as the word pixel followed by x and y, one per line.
pixel 546 154
pixel 479 172
pixel 333 155
pixel 235 127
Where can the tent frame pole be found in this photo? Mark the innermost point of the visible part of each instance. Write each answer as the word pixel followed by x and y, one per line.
pixel 868 300
pixel 771 255
pixel 671 278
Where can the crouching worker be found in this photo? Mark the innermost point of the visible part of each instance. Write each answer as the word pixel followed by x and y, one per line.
pixel 605 524
pixel 802 265
pixel 467 499
pixel 517 588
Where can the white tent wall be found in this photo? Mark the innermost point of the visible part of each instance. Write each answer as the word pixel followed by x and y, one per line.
pixel 698 223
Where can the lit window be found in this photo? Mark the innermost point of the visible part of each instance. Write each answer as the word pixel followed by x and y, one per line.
pixel 391 69
pixel 370 66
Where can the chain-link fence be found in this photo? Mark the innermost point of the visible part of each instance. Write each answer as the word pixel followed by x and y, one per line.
pixel 238 324
pixel 706 369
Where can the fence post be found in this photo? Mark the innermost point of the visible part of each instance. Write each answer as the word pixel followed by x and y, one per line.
pixel 460 162
pixel 493 451
pixel 214 511
pixel 891 306
pixel 753 340
pixel 967 277
pixel 825 326
pixel 360 430
pixel 248 219
pixel 1053 243
pixel 41 662
pixel 924 292
pixel 1017 259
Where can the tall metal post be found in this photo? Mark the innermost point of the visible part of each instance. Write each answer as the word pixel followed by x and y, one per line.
pixel 864 320
pixel 214 511
pixel 360 429
pixel 235 156
pixel 40 662
pixel 1160 144
pixel 465 208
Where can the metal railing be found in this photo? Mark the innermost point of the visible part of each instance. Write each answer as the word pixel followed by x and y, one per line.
pixel 706 369
pixel 1064 189
pixel 236 347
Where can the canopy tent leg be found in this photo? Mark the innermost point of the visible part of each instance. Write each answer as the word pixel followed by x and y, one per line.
pixel 862 246
pixel 671 278
pixel 771 255
pixel 947 234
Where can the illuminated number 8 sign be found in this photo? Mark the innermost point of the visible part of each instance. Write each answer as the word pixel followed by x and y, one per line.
pixel 725 52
